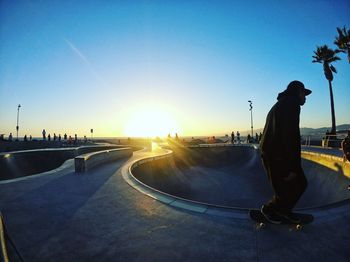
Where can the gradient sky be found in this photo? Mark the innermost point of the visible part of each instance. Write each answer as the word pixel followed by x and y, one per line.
pixel 76 65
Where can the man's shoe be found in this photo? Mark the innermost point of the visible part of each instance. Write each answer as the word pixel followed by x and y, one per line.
pixel 271 215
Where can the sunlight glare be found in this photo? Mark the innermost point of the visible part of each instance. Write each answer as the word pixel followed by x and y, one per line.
pixel 150 122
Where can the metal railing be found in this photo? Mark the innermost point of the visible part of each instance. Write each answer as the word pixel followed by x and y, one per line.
pixel 4 239
pixel 326 140
pixel 4 255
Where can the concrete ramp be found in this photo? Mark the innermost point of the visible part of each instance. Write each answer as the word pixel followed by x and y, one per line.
pixel 233 176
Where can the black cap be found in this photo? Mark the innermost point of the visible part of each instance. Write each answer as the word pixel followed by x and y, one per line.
pixel 294 85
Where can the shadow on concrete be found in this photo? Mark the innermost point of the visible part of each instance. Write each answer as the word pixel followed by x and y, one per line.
pixel 50 206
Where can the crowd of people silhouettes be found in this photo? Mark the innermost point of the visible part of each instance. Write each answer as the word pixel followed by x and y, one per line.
pixel 49 138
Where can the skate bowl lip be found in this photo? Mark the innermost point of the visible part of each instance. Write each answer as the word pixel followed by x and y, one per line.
pixel 221 210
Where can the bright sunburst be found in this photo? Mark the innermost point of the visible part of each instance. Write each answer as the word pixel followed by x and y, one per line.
pixel 150 122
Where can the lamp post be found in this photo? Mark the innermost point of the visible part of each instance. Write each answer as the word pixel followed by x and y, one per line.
pixel 251 115
pixel 17 127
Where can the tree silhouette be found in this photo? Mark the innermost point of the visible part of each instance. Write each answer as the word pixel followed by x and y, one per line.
pixel 343 41
pixel 326 56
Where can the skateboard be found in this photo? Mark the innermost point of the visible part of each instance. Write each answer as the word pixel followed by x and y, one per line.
pixel 261 221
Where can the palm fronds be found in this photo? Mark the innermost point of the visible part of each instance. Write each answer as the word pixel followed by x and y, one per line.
pixel 342 41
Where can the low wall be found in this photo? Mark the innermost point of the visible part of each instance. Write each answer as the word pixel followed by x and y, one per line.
pixel 90 160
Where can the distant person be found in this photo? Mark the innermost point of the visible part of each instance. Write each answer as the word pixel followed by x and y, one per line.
pixel 256 138
pixel 345 145
pixel 281 154
pixel 10 137
pixel 327 134
pixel 30 138
pixel 59 137
pixel 25 138
pixel 65 136
pixel 49 137
pixel 176 136
pixel 238 137
pixel 85 139
pixel 44 134
pixel 70 140
pixel 54 137
pixel 249 138
pixel 232 137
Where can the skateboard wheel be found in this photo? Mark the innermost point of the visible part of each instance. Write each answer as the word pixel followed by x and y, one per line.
pixel 299 227
pixel 261 225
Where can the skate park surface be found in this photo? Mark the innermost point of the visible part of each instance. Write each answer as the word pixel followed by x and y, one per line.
pixel 113 212
pixel 233 176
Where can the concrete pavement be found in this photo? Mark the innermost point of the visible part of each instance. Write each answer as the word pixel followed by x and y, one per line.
pixel 99 217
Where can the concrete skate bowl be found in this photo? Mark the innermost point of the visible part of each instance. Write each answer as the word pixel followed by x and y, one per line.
pixel 233 177
pixel 29 162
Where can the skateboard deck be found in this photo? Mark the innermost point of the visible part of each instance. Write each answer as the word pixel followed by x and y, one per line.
pixel 259 218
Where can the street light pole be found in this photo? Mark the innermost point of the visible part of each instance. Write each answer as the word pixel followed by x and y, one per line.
pixel 17 127
pixel 251 115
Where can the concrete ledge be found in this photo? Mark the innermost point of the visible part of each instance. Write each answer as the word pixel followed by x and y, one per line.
pixel 90 160
pixel 333 162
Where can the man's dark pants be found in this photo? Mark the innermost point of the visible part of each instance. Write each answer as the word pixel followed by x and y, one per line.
pixel 287 193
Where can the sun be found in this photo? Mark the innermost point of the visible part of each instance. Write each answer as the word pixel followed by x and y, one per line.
pixel 150 122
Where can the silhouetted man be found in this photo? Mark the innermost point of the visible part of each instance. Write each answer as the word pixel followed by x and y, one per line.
pixel 281 153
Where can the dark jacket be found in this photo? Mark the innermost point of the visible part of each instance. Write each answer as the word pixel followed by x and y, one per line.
pixel 281 136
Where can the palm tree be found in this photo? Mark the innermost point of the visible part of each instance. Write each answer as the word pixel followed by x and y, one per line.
pixel 343 41
pixel 326 56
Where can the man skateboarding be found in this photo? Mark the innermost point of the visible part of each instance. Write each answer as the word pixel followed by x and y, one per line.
pixel 281 154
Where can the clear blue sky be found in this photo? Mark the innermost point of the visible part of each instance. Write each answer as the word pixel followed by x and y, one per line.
pixel 76 65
